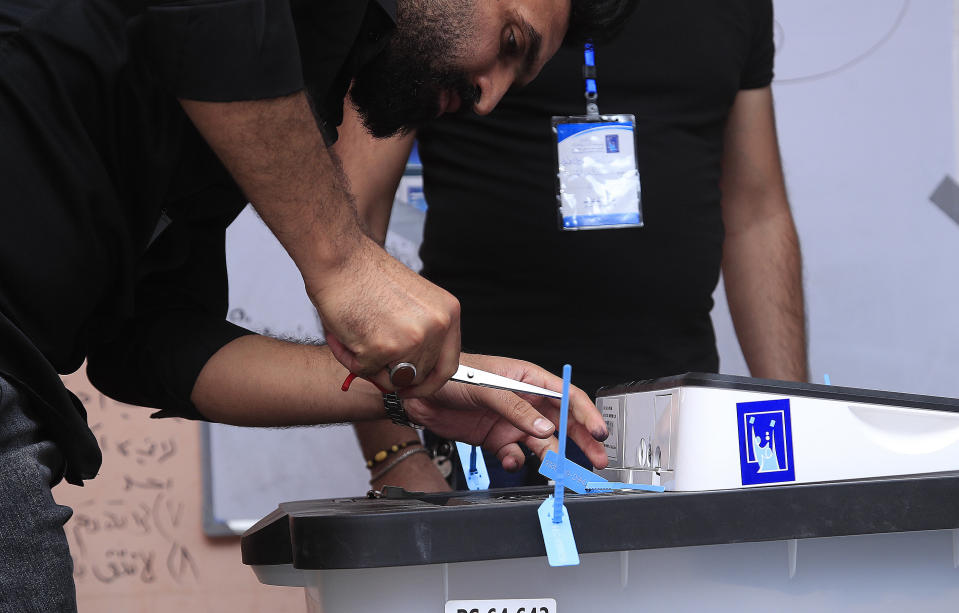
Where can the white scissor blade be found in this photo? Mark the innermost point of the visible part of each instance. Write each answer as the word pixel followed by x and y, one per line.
pixel 475 376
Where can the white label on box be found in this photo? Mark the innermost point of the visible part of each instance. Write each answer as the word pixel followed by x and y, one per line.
pixel 517 605
pixel 611 410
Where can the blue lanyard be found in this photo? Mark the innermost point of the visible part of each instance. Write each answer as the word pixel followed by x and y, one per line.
pixel 589 73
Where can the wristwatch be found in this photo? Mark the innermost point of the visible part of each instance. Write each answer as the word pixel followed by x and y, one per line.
pixel 396 412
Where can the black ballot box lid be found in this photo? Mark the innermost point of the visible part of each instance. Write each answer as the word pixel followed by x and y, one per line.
pixel 407 529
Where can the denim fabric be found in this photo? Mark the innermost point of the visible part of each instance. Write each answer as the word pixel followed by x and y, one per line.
pixel 36 570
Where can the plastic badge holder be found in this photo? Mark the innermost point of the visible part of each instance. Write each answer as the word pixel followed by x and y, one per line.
pixel 597 176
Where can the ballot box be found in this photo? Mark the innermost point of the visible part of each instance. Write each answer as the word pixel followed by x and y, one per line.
pixel 704 431
pixel 779 496
pixel 883 544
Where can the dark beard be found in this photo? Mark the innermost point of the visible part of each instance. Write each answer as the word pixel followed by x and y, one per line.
pixel 399 89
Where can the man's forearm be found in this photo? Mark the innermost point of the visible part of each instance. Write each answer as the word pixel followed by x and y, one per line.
pixel 374 168
pixel 276 154
pixel 416 472
pixel 762 270
pixel 762 266
pixel 380 434
pixel 260 381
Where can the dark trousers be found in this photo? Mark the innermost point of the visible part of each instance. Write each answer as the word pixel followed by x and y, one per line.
pixel 36 570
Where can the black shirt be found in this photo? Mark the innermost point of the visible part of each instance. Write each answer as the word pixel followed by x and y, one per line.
pixel 619 305
pixel 96 150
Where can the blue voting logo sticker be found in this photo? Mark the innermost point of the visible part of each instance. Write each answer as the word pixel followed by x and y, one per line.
pixel 765 442
pixel 612 143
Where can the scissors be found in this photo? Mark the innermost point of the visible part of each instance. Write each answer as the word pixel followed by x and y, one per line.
pixel 475 376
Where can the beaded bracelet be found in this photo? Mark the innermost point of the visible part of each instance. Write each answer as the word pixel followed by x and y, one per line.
pixel 391 465
pixel 382 454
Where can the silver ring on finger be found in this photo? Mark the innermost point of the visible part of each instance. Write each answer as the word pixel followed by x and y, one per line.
pixel 402 374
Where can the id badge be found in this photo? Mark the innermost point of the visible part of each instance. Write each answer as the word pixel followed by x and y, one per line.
pixel 597 176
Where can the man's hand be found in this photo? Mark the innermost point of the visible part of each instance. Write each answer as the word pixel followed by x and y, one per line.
pixel 377 312
pixel 499 420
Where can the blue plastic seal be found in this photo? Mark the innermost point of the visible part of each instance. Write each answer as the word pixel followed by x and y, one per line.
pixel 574 476
pixel 609 486
pixel 474 466
pixel 553 517
pixel 557 535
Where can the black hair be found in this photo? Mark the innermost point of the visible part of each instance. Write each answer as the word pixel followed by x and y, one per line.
pixel 599 20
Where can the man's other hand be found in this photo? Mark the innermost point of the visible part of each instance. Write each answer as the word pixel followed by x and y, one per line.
pixel 499 420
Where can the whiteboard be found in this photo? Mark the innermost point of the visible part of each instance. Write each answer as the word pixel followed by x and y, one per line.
pixel 865 102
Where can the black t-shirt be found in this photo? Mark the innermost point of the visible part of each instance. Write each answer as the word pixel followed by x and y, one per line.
pixel 95 151
pixel 623 304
